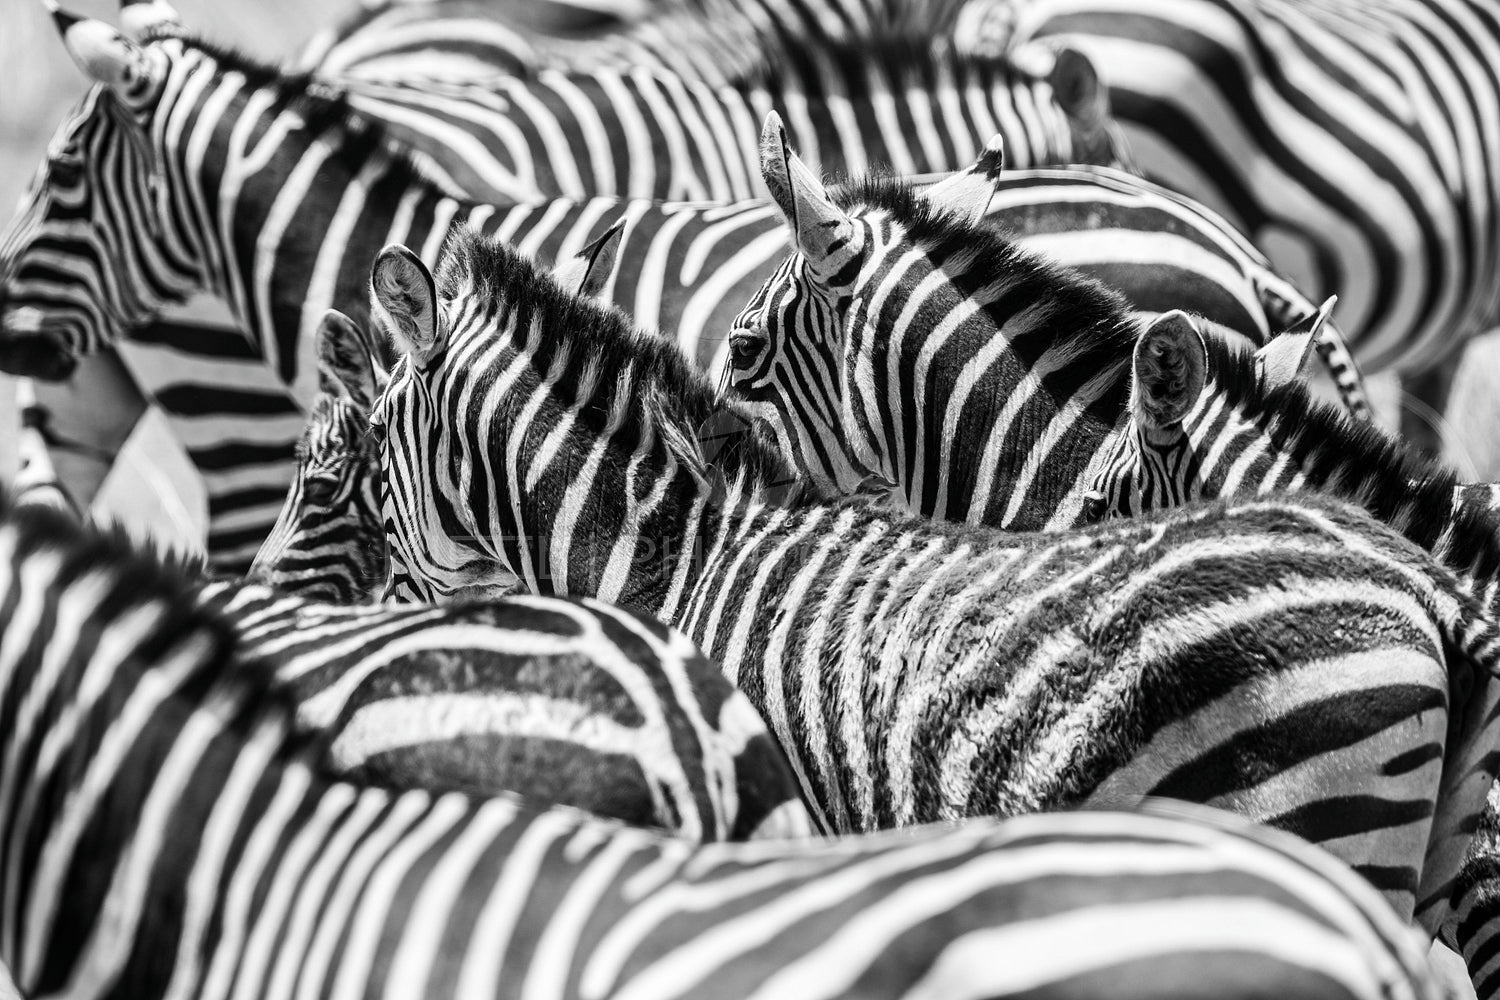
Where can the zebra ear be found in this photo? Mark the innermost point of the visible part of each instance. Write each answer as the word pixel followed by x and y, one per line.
pixel 140 16
pixel 819 227
pixel 586 273
pixel 1170 368
pixel 107 56
pixel 404 297
pixel 967 193
pixel 1281 361
pixel 346 365
pixel 1076 84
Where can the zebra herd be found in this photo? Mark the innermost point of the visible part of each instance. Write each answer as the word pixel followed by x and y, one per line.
pixel 982 576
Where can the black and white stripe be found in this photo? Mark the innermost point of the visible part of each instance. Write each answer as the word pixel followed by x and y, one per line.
pixel 163 833
pixel 916 672
pixel 717 41
pixel 904 104
pixel 1357 143
pixel 908 340
pixel 128 218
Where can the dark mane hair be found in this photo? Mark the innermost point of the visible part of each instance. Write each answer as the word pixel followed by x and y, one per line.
pixel 1092 309
pixel 1359 462
pixel 321 104
pixel 673 397
pixel 136 576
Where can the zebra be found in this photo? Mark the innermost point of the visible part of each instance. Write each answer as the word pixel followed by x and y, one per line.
pixel 643 133
pixel 913 671
pixel 167 833
pixel 717 255
pixel 1286 116
pixel 174 242
pixel 329 541
pixel 570 702
pixel 1161 416
pixel 328 544
pixel 984 410
pixel 716 41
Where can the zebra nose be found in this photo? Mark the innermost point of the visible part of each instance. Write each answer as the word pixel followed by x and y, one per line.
pixel 35 355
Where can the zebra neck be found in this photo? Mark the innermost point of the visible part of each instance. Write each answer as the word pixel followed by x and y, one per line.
pixel 289 190
pixel 1043 413
pixel 1476 509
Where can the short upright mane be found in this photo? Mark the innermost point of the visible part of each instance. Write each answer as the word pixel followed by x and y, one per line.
pixel 137 577
pixel 1089 308
pixel 673 398
pixel 1358 462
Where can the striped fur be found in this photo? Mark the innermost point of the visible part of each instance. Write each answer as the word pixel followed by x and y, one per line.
pixel 216 191
pixel 1286 116
pixel 638 133
pixel 1243 433
pixel 201 855
pixel 934 353
pixel 717 41
pixel 279 250
pixel 915 671
pixel 567 702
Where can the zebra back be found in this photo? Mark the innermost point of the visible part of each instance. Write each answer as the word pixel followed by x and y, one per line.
pixel 914 671
pixel 205 853
pixel 716 41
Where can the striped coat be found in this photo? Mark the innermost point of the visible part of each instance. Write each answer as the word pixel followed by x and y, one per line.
pixel 916 671
pixel 717 41
pixel 1286 117
pixel 165 835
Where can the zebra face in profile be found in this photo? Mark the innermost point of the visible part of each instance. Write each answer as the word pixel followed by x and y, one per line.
pixel 790 356
pixel 329 542
pixel 96 249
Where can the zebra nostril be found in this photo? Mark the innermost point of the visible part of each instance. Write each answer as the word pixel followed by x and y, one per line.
pixel 36 355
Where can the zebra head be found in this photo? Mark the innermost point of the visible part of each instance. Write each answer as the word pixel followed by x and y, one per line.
pixel 790 348
pixel 1182 440
pixel 329 541
pixel 439 546
pixel 97 248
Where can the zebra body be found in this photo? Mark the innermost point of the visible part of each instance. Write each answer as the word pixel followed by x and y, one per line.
pixel 568 702
pixel 1161 415
pixel 642 133
pixel 717 41
pixel 911 670
pixel 931 352
pixel 203 855
pixel 264 214
pixel 1286 116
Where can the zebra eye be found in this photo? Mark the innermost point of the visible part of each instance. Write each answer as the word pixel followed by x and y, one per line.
pixel 66 169
pixel 1093 507
pixel 745 347
pixel 320 490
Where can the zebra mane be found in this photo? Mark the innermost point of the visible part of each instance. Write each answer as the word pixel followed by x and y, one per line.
pixel 1359 462
pixel 321 103
pixel 673 397
pixel 138 576
pixel 1079 307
